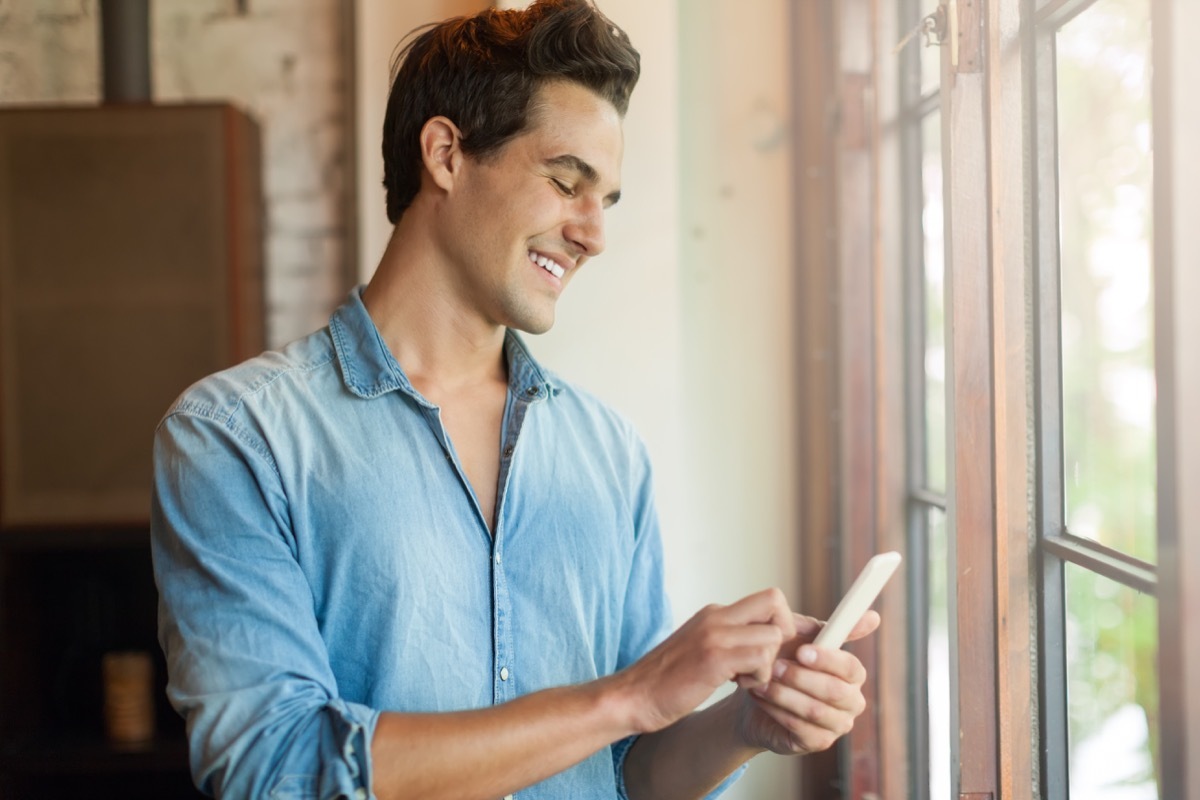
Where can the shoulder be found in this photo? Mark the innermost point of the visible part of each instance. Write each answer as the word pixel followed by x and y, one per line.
pixel 269 378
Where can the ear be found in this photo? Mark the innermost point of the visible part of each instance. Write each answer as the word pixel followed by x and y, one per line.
pixel 441 151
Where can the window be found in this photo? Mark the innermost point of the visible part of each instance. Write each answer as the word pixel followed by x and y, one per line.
pixel 1031 226
pixel 1095 385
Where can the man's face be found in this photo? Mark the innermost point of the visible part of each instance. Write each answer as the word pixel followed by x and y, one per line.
pixel 525 219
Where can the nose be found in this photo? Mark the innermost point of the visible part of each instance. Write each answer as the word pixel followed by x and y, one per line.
pixel 585 230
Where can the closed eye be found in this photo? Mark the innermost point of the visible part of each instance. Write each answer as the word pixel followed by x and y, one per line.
pixel 565 189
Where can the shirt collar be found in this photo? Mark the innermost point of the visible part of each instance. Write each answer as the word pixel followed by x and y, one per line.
pixel 369 369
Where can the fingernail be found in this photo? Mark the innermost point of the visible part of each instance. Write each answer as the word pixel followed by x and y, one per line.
pixel 780 668
pixel 808 655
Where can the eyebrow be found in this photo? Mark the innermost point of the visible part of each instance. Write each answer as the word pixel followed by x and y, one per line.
pixel 584 170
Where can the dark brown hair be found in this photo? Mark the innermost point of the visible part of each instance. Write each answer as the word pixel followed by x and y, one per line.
pixel 482 72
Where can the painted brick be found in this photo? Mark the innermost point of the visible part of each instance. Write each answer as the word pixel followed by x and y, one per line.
pixel 281 61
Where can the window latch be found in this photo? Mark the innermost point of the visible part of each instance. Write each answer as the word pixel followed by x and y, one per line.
pixel 932 28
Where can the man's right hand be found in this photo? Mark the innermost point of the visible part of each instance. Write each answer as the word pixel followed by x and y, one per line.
pixel 738 642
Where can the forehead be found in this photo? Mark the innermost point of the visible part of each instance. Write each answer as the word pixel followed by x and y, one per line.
pixel 569 119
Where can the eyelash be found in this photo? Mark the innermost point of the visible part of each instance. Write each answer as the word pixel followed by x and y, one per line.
pixel 562 187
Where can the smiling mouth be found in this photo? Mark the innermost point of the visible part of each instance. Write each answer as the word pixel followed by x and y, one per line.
pixel 547 264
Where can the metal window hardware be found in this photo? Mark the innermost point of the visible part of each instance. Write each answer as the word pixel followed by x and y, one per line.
pixel 932 27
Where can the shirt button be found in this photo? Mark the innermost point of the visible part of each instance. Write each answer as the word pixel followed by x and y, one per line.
pixel 504 673
pixel 508 451
pixel 531 391
pixel 508 797
pixel 498 559
pixel 360 793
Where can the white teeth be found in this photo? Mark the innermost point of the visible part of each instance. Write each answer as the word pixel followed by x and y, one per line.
pixel 547 264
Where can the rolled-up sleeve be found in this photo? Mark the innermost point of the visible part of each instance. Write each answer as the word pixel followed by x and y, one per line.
pixel 248 668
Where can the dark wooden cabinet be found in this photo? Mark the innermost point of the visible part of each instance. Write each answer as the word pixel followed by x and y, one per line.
pixel 130 266
pixel 65 600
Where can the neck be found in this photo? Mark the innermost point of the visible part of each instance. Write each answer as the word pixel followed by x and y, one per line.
pixel 436 338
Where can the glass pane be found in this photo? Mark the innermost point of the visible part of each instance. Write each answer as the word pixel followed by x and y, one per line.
pixel 921 71
pixel 931 65
pixel 935 303
pixel 1112 689
pixel 939 655
pixel 1105 193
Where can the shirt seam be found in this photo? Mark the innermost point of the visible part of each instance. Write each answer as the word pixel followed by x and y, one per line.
pixel 226 416
pixel 226 420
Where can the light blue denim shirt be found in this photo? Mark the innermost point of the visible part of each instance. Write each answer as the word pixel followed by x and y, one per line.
pixel 320 557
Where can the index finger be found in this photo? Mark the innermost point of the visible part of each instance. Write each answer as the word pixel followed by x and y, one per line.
pixel 808 627
pixel 768 606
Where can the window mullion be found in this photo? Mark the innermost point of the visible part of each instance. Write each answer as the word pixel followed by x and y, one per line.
pixel 1052 667
pixel 1053 14
pixel 970 412
pixel 1176 292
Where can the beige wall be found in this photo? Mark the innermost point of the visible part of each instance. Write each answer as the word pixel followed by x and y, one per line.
pixel 379 26
pixel 736 267
pixel 684 324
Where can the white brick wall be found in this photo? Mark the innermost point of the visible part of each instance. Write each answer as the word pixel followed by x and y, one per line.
pixel 283 61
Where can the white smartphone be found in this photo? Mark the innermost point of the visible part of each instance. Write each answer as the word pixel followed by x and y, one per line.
pixel 858 599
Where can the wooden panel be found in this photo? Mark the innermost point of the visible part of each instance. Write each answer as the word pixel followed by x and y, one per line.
pixel 967 45
pixel 857 179
pixel 891 501
pixel 130 266
pixel 971 472
pixel 891 450
pixel 1010 252
pixel 816 304
pixel 857 402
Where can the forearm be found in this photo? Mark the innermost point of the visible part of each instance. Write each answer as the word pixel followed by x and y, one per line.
pixel 496 751
pixel 690 758
pixel 493 752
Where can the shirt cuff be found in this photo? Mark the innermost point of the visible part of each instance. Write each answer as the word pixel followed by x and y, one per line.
pixel 620 749
pixel 350 729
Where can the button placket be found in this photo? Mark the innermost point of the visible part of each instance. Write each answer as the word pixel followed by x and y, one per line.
pixel 503 666
pixel 503 688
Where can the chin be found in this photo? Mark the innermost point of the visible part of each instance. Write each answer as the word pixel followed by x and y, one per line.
pixel 528 315
pixel 535 327
pixel 533 324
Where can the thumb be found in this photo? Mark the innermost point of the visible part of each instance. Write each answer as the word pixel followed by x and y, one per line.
pixel 807 627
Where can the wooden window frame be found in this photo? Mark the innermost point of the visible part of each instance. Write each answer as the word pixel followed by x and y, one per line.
pixel 1176 60
pixel 1003 509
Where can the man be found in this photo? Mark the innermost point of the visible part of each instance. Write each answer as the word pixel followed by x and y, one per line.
pixel 399 558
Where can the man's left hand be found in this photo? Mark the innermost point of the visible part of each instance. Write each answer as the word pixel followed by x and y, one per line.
pixel 813 698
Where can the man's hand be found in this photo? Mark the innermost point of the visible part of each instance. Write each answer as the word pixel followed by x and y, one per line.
pixel 814 695
pixel 719 644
